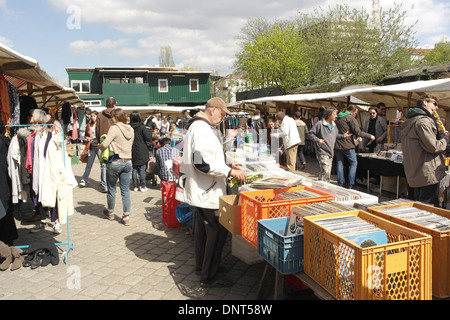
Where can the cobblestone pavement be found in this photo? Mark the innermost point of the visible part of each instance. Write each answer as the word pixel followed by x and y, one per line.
pixel 109 261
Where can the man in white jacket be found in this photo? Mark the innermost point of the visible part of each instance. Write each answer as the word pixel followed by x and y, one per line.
pixel 291 139
pixel 206 173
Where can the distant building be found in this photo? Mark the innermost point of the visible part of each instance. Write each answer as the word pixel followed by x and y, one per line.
pixel 419 72
pixel 228 87
pixel 136 86
pixel 417 55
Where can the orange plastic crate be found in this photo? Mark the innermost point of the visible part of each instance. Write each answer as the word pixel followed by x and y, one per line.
pixel 169 203
pixel 398 270
pixel 440 243
pixel 262 204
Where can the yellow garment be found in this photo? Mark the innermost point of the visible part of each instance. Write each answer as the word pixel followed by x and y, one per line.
pixel 107 153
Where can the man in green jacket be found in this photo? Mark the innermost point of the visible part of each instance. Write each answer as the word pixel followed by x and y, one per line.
pixel 423 146
pixel 324 134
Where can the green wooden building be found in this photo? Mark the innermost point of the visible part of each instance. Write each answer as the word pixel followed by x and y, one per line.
pixel 140 87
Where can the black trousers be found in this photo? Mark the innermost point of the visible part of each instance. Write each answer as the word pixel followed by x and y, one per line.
pixel 300 156
pixel 428 194
pixel 209 240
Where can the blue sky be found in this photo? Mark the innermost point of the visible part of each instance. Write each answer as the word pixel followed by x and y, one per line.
pixel 90 33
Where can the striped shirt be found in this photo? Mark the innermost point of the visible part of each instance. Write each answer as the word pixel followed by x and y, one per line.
pixel 162 155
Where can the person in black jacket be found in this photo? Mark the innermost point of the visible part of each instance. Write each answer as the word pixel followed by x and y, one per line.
pixel 258 125
pixel 345 148
pixel 140 153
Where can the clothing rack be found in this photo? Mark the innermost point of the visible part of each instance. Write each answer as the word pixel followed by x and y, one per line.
pixel 69 244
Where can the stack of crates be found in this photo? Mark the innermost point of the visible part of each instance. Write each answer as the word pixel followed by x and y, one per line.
pixel 169 203
pixel 440 243
pixel 264 204
pixel 398 270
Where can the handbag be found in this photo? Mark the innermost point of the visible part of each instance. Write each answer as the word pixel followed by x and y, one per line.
pixel 179 191
pixel 151 165
pixel 85 154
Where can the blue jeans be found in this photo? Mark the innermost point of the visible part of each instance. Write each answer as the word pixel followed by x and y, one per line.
pixel 103 175
pixel 351 157
pixel 141 171
pixel 119 170
pixel 94 152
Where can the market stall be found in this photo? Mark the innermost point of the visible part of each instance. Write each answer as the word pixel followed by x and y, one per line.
pixel 25 79
pixel 325 236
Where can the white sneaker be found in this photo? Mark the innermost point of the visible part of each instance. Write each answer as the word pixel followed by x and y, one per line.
pixel 136 189
pixel 57 228
pixel 82 184
pixel 143 189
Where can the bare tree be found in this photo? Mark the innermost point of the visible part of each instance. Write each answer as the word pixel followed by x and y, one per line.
pixel 165 57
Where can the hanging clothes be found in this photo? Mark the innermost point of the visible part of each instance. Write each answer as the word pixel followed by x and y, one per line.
pixel 14 107
pixel 8 229
pixel 14 162
pixel 75 126
pixel 5 113
pixel 58 179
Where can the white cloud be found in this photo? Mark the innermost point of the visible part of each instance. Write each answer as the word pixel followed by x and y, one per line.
pixel 91 47
pixel 7 42
pixel 202 33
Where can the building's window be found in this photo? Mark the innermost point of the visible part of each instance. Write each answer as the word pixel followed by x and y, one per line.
pixel 81 86
pixel 163 85
pixel 193 85
pixel 93 103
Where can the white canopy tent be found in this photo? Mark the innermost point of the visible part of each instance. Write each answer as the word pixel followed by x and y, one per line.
pixel 26 75
pixel 399 96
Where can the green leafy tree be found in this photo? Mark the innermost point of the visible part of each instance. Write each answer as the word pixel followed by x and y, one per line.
pixel 272 56
pixel 346 46
pixel 440 54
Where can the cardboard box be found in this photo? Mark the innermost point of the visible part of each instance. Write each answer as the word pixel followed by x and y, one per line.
pixel 230 213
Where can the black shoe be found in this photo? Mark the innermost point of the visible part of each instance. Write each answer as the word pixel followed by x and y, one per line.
pixel 37 260
pixel 220 283
pixel 46 259
pixel 27 261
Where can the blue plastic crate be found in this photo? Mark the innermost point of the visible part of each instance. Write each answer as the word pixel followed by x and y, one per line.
pixel 284 253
